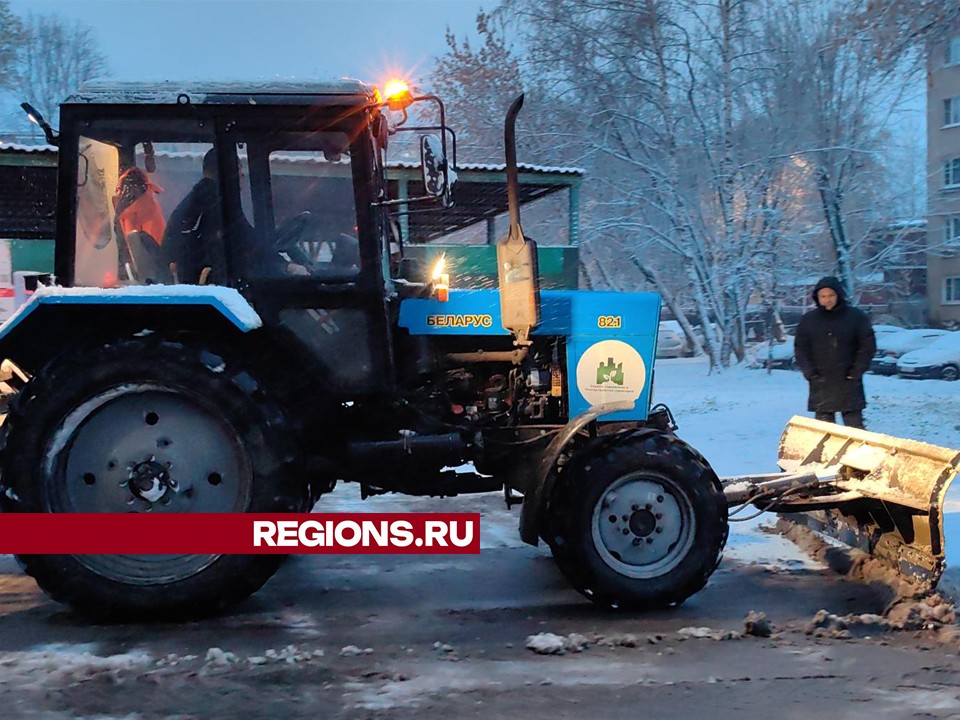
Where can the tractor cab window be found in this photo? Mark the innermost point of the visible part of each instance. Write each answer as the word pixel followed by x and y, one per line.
pixel 97 252
pixel 312 216
pixel 148 206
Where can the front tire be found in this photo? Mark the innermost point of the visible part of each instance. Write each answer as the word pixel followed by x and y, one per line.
pixel 949 373
pixel 147 425
pixel 638 521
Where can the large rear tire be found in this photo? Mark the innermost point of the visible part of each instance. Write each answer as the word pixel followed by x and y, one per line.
pixel 148 425
pixel 638 521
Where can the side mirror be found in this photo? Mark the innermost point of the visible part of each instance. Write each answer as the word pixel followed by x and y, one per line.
pixel 433 165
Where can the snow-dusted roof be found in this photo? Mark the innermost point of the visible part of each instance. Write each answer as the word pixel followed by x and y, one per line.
pixel 496 167
pixel 17 147
pixel 171 92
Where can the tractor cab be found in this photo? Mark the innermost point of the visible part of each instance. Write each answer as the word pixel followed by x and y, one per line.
pixel 276 191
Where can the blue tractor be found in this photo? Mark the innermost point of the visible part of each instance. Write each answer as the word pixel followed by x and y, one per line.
pixel 235 329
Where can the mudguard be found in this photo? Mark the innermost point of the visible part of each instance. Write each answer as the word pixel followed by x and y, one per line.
pixel 230 303
pixel 533 502
pixel 53 319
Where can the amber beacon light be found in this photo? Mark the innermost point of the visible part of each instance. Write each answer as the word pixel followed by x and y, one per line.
pixel 397 92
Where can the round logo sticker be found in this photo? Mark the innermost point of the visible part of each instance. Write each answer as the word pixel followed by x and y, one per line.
pixel 611 371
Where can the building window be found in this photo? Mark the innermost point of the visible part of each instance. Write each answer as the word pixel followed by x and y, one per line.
pixel 951 233
pixel 951 173
pixel 951 111
pixel 951 290
pixel 953 51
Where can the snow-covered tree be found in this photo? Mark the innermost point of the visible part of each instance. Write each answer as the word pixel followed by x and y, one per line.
pixel 731 145
pixel 55 58
pixel 10 38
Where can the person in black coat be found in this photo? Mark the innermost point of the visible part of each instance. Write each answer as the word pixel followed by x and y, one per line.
pixel 194 236
pixel 833 348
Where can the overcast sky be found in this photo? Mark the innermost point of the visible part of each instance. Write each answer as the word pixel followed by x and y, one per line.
pixel 257 39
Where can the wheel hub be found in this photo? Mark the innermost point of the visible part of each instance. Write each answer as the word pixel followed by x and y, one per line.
pixel 642 526
pixel 150 480
pixel 642 523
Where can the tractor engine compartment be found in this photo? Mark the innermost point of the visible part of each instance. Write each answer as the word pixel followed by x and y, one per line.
pixel 473 389
pixel 462 405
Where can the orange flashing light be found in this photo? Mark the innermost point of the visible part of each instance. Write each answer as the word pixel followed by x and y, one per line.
pixel 398 94
pixel 441 280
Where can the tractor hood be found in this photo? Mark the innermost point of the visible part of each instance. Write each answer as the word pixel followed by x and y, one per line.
pixel 610 338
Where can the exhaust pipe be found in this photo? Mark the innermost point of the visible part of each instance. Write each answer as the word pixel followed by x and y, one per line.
pixel 517 270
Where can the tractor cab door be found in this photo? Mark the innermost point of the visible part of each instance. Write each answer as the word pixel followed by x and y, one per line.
pixel 312 266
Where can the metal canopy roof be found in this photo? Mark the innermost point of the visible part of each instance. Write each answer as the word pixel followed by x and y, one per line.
pixel 480 194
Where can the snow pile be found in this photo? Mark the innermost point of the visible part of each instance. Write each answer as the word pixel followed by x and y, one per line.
pixel 551 644
pixel 291 655
pixel 705 633
pixel 67 665
pixel 628 640
pixel 926 613
pixel 825 624
pixel 216 656
pixel 929 613
pixel 353 651
pixel 757 625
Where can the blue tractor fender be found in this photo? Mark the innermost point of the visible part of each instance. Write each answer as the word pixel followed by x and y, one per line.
pixel 533 501
pixel 54 315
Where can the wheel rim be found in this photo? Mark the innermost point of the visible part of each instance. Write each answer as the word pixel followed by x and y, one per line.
pixel 643 525
pixel 949 373
pixel 146 448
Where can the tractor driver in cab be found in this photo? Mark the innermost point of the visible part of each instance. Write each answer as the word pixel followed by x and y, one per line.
pixel 193 240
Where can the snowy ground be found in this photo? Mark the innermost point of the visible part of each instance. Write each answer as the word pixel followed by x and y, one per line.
pixel 735 417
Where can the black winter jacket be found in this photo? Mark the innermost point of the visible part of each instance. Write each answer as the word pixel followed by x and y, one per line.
pixel 833 349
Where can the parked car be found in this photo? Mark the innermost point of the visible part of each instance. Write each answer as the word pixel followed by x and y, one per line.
pixel 674 327
pixel 882 332
pixel 940 359
pixel 891 347
pixel 779 355
pixel 669 342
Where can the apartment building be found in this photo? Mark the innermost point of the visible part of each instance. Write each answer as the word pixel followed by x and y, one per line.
pixel 943 179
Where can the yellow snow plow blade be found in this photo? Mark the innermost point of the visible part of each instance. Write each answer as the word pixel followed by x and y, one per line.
pixel 881 494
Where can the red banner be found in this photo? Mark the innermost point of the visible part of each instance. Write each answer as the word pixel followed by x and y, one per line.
pixel 239 533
